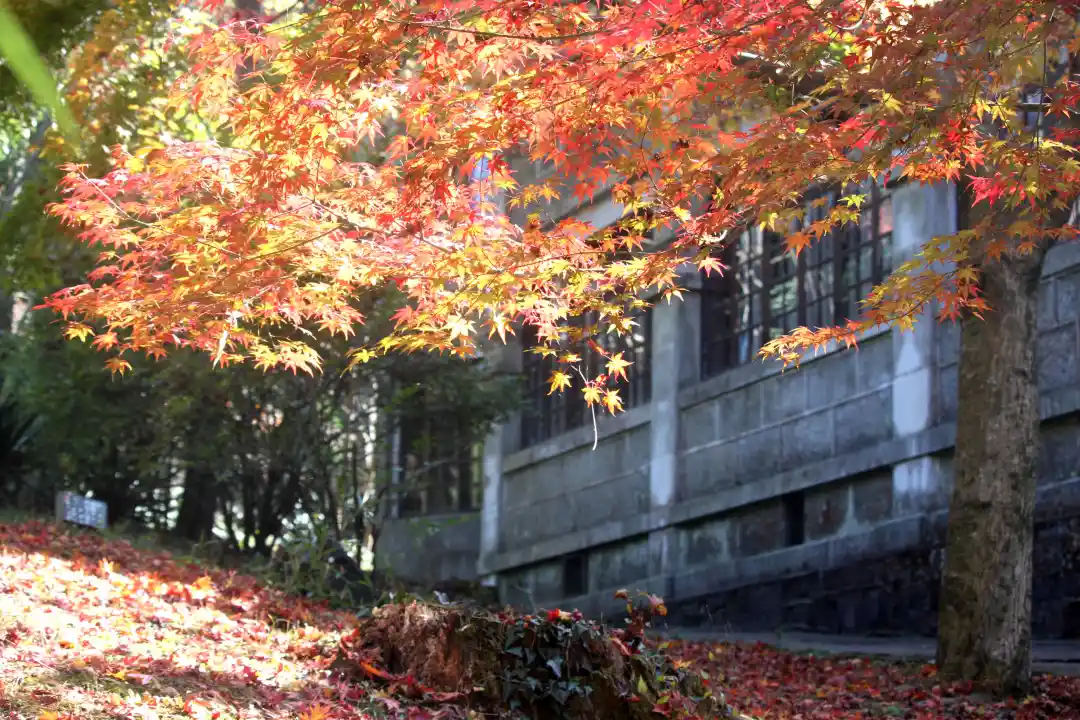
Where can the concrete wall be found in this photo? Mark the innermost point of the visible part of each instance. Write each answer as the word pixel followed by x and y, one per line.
pixel 811 498
pixel 425 550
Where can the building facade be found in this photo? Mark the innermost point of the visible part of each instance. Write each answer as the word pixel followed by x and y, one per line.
pixel 757 499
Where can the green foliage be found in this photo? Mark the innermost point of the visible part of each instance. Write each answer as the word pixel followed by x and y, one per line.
pixel 16 433
pixel 23 61
pixel 302 567
pixel 546 667
pixel 552 664
pixel 94 435
pixel 116 63
pixel 279 456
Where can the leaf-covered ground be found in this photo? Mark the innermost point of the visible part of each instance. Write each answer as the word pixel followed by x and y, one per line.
pixel 93 629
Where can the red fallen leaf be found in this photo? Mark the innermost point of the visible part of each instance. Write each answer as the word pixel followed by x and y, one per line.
pixel 758 680
pixel 44 696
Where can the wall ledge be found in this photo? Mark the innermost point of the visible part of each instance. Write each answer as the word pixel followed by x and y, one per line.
pixel 825 471
pixel 607 426
pixel 758 370
pixel 933 440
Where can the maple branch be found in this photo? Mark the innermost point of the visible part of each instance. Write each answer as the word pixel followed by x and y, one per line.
pixel 345 220
pixel 592 410
pixel 509 36
pixel 725 34
pixel 145 224
pixel 295 245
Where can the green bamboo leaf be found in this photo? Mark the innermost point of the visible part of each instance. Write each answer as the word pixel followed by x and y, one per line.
pixel 17 49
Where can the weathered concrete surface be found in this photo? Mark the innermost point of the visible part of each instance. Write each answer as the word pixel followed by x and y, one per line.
pixel 811 498
pixel 425 550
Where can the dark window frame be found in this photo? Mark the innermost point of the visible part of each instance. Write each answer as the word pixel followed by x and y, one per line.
pixel 547 415
pixel 766 292
pixel 439 466
pixel 794 518
pixel 575 574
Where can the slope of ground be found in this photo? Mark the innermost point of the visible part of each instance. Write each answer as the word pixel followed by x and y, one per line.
pixel 93 629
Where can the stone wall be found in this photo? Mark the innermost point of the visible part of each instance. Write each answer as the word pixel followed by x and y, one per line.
pixel 807 498
pixel 547 497
pixel 425 550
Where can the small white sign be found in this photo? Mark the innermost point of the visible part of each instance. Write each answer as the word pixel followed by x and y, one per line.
pixel 81 510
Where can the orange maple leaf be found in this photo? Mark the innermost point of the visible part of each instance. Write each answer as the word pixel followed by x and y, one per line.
pixel 316 712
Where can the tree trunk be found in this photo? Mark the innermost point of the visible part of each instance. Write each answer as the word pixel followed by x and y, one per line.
pixel 984 633
pixel 195 520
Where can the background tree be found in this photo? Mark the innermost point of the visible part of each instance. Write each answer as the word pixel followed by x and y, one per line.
pixel 233 453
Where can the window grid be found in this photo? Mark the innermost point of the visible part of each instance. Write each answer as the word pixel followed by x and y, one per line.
pixel 440 468
pixel 548 415
pixel 766 293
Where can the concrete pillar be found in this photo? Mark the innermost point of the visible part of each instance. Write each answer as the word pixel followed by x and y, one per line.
pixel 674 358
pixel 920 213
pixel 499 442
pixel 489 512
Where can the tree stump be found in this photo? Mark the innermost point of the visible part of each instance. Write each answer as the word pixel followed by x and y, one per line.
pixel 555 665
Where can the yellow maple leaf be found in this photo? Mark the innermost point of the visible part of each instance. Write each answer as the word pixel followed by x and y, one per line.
pixel 616 366
pixel 612 401
pixel 78 331
pixel 458 327
pixel 559 381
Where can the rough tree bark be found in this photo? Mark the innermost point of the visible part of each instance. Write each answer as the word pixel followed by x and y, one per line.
pixel 984 633
pixel 984 629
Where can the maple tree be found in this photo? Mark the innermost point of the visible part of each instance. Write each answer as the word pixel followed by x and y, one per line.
pixel 164 417
pixel 710 114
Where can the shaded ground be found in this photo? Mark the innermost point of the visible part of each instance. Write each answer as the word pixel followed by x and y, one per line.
pixel 91 629
pixel 768 682
pixel 1059 657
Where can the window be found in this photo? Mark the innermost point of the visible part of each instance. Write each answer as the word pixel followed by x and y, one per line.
pixel 766 292
pixel 575 575
pixel 440 467
pixel 547 415
pixel 794 519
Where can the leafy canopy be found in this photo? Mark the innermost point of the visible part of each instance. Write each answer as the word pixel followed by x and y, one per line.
pixel 710 114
